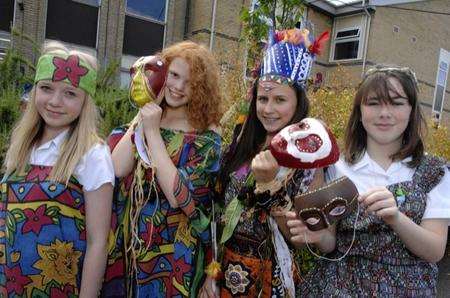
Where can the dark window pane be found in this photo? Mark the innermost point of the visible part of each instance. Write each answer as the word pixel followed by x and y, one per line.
pixel 439 98
pixel 90 2
pixel 72 22
pixel 346 50
pixel 6 14
pixel 141 37
pixel 154 9
pixel 347 33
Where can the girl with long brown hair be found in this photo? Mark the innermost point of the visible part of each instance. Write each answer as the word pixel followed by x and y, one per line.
pixel 402 232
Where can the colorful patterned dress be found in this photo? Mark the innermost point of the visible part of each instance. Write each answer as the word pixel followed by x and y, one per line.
pixel 42 235
pixel 172 260
pixel 248 263
pixel 379 264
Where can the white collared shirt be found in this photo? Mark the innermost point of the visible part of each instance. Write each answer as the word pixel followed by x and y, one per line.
pixel 94 169
pixel 367 174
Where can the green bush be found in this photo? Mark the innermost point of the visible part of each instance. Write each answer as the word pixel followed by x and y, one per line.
pixel 9 113
pixel 115 109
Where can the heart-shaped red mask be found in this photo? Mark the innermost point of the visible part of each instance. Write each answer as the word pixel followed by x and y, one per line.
pixel 305 145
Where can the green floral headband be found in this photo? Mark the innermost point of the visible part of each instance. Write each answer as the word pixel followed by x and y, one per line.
pixel 66 68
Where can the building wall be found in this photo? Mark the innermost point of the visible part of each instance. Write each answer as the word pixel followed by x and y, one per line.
pixel 227 31
pixel 321 23
pixel 430 31
pixel 186 19
pixel 30 22
pixel 110 31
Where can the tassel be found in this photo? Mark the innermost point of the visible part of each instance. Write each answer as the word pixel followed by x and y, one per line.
pixel 317 46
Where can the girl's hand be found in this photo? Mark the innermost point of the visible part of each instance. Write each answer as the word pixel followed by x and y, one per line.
pixel 209 289
pixel 298 230
pixel 380 202
pixel 151 117
pixel 264 167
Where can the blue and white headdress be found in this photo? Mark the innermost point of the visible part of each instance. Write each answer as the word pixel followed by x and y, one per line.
pixel 289 56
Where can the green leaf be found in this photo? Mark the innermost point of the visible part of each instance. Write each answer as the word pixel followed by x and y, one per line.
pixel 52 211
pixel 201 223
pixel 232 214
pixel 18 215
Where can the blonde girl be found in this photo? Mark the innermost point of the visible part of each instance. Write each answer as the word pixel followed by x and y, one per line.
pixel 57 189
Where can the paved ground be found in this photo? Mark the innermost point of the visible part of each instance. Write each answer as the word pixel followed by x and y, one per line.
pixel 444 273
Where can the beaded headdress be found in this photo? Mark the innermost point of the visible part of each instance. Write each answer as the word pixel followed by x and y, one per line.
pixel 289 56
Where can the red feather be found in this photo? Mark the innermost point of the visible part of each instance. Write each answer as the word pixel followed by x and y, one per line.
pixel 317 46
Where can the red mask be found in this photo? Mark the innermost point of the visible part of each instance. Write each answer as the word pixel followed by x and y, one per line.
pixel 305 145
pixel 148 76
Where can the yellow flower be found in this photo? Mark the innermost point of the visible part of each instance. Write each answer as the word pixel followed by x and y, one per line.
pixel 59 262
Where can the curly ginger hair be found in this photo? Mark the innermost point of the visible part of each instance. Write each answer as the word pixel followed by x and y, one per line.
pixel 204 107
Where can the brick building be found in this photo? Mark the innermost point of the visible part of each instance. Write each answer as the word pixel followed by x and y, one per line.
pixel 402 32
pixel 121 30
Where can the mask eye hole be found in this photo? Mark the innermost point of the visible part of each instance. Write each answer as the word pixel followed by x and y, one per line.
pixel 338 210
pixel 313 220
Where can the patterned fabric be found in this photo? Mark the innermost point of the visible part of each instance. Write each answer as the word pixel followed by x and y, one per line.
pixel 248 261
pixel 379 264
pixel 176 240
pixel 42 235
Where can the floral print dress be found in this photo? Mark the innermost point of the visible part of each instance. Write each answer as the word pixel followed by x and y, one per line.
pixel 176 241
pixel 249 264
pixel 42 235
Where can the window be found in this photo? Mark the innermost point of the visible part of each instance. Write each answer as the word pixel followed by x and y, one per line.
pixel 143 32
pixel 346 44
pixel 144 27
pixel 155 9
pixel 6 14
pixel 441 83
pixel 74 22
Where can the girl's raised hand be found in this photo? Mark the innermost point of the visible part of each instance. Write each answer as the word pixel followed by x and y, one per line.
pixel 380 202
pixel 151 117
pixel 264 167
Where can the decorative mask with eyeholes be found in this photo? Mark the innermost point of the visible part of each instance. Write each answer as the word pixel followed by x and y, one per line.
pixel 148 77
pixel 305 145
pixel 323 207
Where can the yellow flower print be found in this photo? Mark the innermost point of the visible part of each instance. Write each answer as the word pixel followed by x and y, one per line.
pixel 236 279
pixel 59 262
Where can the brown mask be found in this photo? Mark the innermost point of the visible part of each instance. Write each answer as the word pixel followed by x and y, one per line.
pixel 323 207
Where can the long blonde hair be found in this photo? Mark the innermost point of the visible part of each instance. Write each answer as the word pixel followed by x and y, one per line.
pixel 28 131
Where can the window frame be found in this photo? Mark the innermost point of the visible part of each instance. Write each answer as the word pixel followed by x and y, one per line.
pixel 97 35
pixel 337 40
pixel 148 18
pixel 123 62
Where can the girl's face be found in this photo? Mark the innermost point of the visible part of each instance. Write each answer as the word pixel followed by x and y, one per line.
pixel 275 105
pixel 58 103
pixel 177 90
pixel 385 121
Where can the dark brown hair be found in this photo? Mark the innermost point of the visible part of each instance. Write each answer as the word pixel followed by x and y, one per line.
pixel 253 134
pixel 376 81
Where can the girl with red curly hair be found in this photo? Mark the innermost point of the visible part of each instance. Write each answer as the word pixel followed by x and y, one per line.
pixel 163 206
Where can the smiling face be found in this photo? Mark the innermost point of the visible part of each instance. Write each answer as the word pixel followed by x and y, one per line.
pixel 275 105
pixel 385 120
pixel 58 103
pixel 177 90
